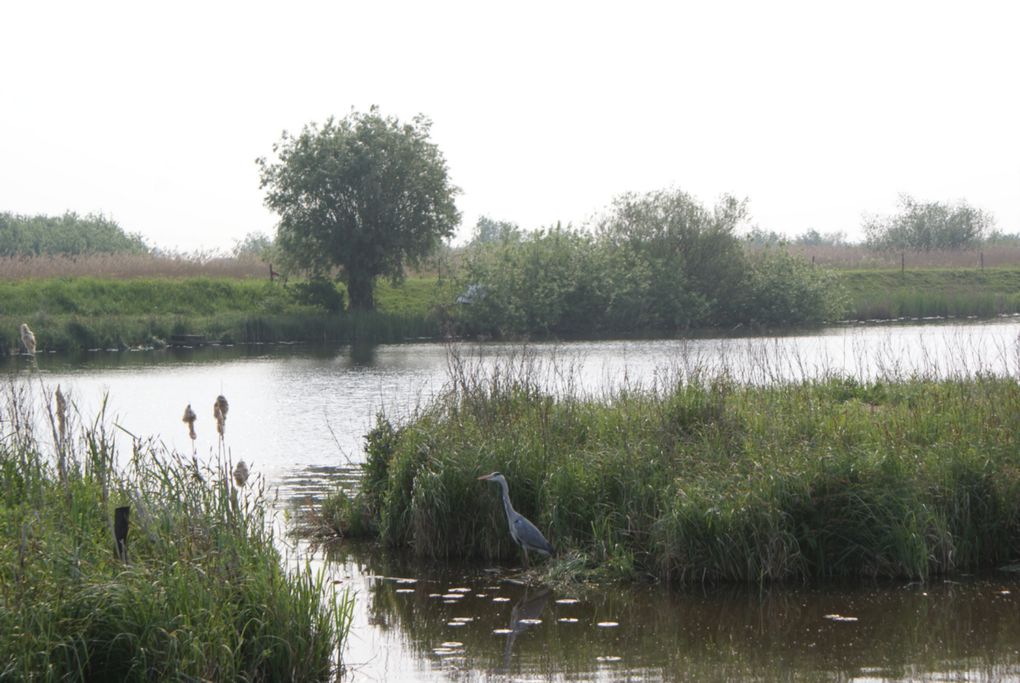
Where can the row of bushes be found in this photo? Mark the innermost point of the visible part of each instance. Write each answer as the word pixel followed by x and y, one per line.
pixel 69 234
pixel 706 479
pixel 659 263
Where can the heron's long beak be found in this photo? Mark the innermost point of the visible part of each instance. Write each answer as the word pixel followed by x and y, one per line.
pixel 484 476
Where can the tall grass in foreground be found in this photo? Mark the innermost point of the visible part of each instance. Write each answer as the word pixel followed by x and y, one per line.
pixel 204 594
pixel 702 478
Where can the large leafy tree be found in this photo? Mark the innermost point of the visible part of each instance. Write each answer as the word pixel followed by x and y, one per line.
pixel 362 196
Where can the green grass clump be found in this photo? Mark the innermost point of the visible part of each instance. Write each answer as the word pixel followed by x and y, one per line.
pixel 204 594
pixel 936 292
pixel 707 479
pixel 73 314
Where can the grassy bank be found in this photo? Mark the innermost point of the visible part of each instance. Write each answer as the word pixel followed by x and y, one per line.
pixel 888 294
pixel 706 479
pixel 88 313
pixel 204 594
pixel 70 314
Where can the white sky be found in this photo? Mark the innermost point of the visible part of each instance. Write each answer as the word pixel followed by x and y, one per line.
pixel 817 112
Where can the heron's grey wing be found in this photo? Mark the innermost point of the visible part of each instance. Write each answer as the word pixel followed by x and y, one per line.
pixel 531 537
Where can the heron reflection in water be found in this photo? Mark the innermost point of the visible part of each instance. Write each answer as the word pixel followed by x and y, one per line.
pixel 525 614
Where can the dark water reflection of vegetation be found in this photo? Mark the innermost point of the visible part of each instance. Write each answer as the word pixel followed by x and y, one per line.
pixel 890 631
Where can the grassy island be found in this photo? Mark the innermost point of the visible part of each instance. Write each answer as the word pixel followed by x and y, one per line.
pixel 705 479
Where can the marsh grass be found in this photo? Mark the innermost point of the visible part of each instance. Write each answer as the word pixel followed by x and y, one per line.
pixel 204 595
pixel 74 314
pixel 703 478
pixel 875 294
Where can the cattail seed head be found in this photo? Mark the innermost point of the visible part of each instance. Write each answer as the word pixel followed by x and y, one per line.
pixel 241 473
pixel 189 418
pixel 61 413
pixel 220 409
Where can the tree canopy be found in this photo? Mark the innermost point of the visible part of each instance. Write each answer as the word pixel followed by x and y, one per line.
pixel 925 226
pixel 67 235
pixel 361 196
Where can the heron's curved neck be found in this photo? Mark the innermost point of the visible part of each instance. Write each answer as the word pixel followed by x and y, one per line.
pixel 506 499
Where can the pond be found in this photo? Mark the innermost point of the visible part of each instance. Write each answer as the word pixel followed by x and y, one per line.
pixel 298 415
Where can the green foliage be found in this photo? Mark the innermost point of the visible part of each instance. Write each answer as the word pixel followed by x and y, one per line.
pixel 541 284
pixel 87 313
pixel 320 293
pixel 658 263
pixel 257 244
pixel 888 295
pixel 68 235
pixel 928 226
pixel 814 238
pixel 787 290
pixel 710 480
pixel 489 231
pixel 205 596
pixel 365 194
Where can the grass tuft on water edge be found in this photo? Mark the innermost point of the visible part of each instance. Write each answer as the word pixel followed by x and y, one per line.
pixel 204 593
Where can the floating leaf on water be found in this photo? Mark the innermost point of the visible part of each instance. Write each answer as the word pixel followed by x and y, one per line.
pixel 456 623
pixel 464 619
pixel 407 580
pixel 839 617
pixel 567 620
pixel 481 595
pixel 608 658
pixel 567 601
pixel 451 643
pixel 459 590
pixel 529 622
pixel 435 595
pixel 452 596
pixel 405 590
pixel 607 624
pixel 443 651
pixel 501 599
pixel 501 631
pixel 1004 592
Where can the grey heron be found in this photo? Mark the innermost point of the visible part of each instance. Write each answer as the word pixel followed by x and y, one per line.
pixel 28 339
pixel 524 533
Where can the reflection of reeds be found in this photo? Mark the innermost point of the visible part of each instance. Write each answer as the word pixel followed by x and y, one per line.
pixel 205 595
pixel 700 477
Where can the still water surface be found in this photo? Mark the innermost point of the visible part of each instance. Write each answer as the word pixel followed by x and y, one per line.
pixel 298 415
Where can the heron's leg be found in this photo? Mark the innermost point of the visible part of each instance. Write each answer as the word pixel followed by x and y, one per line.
pixel 525 556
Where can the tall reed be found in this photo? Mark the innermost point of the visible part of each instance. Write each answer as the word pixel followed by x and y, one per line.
pixel 204 593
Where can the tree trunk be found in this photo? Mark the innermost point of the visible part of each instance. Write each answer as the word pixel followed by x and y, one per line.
pixel 361 291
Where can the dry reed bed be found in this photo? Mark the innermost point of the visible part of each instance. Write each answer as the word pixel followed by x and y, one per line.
pixel 128 266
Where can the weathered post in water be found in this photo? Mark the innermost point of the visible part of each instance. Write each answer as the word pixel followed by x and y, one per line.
pixel 120 532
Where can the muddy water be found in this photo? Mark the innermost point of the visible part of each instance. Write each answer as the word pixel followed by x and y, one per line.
pixel 298 415
pixel 437 622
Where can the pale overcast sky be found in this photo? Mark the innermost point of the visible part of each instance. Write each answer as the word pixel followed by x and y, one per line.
pixel 817 112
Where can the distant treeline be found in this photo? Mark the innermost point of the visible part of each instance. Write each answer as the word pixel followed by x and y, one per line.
pixel 67 235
